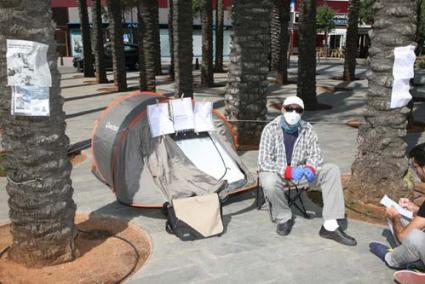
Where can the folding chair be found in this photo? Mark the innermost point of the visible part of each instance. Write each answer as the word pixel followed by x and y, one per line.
pixel 293 194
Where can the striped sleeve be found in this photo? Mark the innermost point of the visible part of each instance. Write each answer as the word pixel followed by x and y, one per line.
pixel 267 152
pixel 314 155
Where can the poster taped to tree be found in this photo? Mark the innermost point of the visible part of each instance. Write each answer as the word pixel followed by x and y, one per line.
pixel 403 71
pixel 28 74
pixel 30 101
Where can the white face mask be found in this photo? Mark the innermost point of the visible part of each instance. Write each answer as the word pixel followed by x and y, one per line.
pixel 292 117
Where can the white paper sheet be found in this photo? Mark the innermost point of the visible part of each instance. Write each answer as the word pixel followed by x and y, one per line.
pixel 400 95
pixel 388 202
pixel 30 101
pixel 203 116
pixel 159 120
pixel 403 71
pixel 27 64
pixel 182 113
pixel 404 60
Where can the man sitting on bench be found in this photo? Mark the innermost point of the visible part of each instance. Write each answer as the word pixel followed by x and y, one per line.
pixel 289 151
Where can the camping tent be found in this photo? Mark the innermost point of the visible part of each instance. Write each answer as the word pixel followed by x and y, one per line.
pixel 145 171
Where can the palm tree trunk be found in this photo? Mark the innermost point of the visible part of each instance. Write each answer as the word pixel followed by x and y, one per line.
pixel 326 44
pixel 143 85
pixel 286 17
pixel 247 78
pixel 420 29
pixel 351 43
pixel 85 34
pixel 170 39
pixel 219 19
pixel 182 22
pixel 381 163
pixel 99 50
pixel 118 56
pixel 279 39
pixel 207 68
pixel 150 27
pixel 156 37
pixel 306 83
pixel 41 208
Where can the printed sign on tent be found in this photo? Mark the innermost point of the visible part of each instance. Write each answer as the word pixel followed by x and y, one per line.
pixel 203 116
pixel 182 113
pixel 159 120
pixel 28 74
pixel 403 71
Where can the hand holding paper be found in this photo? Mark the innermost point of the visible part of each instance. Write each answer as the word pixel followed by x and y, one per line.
pixel 409 205
pixel 388 202
pixel 392 213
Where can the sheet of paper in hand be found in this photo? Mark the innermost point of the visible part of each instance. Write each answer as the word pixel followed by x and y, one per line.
pixel 27 64
pixel 203 117
pixel 388 202
pixel 30 101
pixel 182 113
pixel 159 120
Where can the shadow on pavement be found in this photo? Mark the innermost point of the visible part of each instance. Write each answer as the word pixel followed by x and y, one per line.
pixel 84 112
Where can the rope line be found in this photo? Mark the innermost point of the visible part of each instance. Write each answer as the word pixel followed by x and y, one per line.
pixel 23 182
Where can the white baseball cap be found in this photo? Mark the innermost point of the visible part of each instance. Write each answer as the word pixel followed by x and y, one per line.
pixel 293 100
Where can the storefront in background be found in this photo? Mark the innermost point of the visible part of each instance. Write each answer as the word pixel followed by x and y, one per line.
pixel 68 35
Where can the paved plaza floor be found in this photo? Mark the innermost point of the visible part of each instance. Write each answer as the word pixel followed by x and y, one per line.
pixel 249 251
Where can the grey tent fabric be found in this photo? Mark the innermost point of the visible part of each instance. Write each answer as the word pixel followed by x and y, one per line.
pixel 146 171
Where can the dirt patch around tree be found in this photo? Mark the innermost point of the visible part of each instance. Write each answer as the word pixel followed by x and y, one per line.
pixel 413 127
pixel 370 212
pixel 109 250
pixel 366 212
pixel 112 89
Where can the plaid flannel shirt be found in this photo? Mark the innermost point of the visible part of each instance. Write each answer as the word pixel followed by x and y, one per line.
pixel 272 156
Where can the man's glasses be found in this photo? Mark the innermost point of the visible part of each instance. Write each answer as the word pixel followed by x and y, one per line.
pixel 291 109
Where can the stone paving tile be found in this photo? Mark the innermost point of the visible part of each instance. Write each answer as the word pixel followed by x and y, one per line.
pixel 180 274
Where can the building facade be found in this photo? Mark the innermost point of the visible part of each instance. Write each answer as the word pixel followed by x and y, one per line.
pixel 68 35
pixel 337 36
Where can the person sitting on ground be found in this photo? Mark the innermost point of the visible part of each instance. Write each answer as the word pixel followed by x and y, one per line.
pixel 289 151
pixel 411 236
